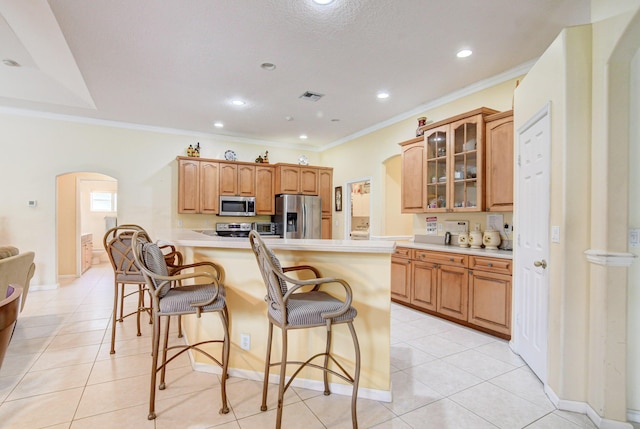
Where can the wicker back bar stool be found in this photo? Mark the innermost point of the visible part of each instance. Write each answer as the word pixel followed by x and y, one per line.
pixel 117 243
pixel 172 298
pixel 303 306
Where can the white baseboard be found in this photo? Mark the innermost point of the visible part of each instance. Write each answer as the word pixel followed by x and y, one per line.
pixel 584 408
pixel 633 415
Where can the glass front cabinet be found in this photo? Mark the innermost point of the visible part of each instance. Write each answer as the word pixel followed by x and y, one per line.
pixel 454 167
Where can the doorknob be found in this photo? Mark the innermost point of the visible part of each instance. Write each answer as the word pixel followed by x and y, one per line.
pixel 541 263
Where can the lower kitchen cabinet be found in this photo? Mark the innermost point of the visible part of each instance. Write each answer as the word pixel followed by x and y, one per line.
pixel 401 275
pixel 474 291
pixel 490 294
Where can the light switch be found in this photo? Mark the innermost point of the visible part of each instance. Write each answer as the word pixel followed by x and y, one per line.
pixel 555 234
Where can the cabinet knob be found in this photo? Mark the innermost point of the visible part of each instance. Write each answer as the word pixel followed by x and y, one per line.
pixel 450 259
pixel 490 264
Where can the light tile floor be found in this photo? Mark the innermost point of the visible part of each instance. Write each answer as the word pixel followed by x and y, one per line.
pixel 58 373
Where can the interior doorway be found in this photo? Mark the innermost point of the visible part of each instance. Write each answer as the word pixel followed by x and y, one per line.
pixel 358 209
pixel 86 205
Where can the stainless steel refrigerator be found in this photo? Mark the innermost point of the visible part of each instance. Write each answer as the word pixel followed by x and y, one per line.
pixel 298 216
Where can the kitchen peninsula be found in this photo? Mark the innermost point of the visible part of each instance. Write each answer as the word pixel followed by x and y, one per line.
pixel 364 264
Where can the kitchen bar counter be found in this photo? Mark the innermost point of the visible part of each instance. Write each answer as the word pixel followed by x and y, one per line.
pixel 365 265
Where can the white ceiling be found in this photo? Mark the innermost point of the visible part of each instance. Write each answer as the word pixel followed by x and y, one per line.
pixel 178 63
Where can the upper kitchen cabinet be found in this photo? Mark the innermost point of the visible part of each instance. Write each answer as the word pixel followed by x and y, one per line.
pixel 450 177
pixel 412 197
pixel 325 189
pixel 265 190
pixel 197 186
pixel 499 166
pixel 296 179
pixel 237 179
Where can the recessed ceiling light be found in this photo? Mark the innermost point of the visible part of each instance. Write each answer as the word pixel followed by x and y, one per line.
pixel 322 1
pixel 238 102
pixel 218 124
pixel 268 66
pixel 303 136
pixel 10 63
pixel 382 95
pixel 288 118
pixel 464 53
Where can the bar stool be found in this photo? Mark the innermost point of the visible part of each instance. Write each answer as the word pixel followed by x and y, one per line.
pixel 171 298
pixel 117 243
pixel 293 308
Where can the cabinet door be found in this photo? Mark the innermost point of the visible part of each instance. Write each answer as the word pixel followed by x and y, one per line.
pixel 412 180
pixel 400 279
pixel 325 180
pixel 288 180
pixel 308 181
pixel 436 167
pixel 265 190
pixel 228 179
pixel 453 290
pixel 499 155
pixel 188 186
pixel 424 278
pixel 209 197
pixel 326 227
pixel 246 180
pixel 465 174
pixel 490 301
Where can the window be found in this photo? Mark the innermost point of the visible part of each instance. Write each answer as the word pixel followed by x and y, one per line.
pixel 104 201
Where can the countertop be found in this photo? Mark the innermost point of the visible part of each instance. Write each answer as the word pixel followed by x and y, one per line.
pixel 190 238
pixel 504 254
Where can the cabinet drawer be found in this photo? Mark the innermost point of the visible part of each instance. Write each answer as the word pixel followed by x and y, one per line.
pixel 502 266
pixel 451 259
pixel 402 252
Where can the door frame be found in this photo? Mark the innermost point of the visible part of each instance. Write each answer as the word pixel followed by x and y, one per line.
pixel 346 205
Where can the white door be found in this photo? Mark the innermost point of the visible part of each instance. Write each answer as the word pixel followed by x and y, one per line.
pixel 531 294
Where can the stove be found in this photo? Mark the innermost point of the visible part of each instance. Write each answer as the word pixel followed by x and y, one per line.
pixel 233 229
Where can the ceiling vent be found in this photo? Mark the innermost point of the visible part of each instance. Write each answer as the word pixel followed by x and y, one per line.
pixel 311 96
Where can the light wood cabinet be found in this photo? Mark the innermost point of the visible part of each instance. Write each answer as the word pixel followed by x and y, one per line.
pixel 237 179
pixel 265 190
pixel 86 255
pixel 499 166
pixel 325 189
pixel 490 293
pixel 197 186
pixel 295 179
pixel 471 290
pixel 412 176
pixel 401 275
pixel 327 232
pixel 444 170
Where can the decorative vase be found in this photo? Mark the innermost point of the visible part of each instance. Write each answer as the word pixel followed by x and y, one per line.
pixel 491 239
pixel 475 239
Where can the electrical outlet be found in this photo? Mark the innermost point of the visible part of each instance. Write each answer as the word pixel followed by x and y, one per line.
pixel 179 223
pixel 476 227
pixel 245 341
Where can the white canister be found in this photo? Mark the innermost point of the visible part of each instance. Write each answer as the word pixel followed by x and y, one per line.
pixel 475 239
pixel 463 239
pixel 491 239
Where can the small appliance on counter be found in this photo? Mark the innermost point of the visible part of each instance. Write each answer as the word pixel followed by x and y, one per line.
pixel 264 228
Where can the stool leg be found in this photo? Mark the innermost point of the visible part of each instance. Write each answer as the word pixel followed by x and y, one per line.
pixel 179 326
pixel 326 360
pixel 154 365
pixel 140 307
pixel 283 373
pixel 163 362
pixel 224 315
pixel 113 320
pixel 267 365
pixel 121 302
pixel 356 377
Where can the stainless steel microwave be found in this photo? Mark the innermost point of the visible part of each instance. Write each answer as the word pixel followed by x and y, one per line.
pixel 237 206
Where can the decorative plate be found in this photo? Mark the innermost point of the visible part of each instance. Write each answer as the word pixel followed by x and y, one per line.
pixel 230 155
pixel 303 160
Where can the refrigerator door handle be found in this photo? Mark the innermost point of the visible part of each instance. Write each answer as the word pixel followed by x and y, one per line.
pixel 304 222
